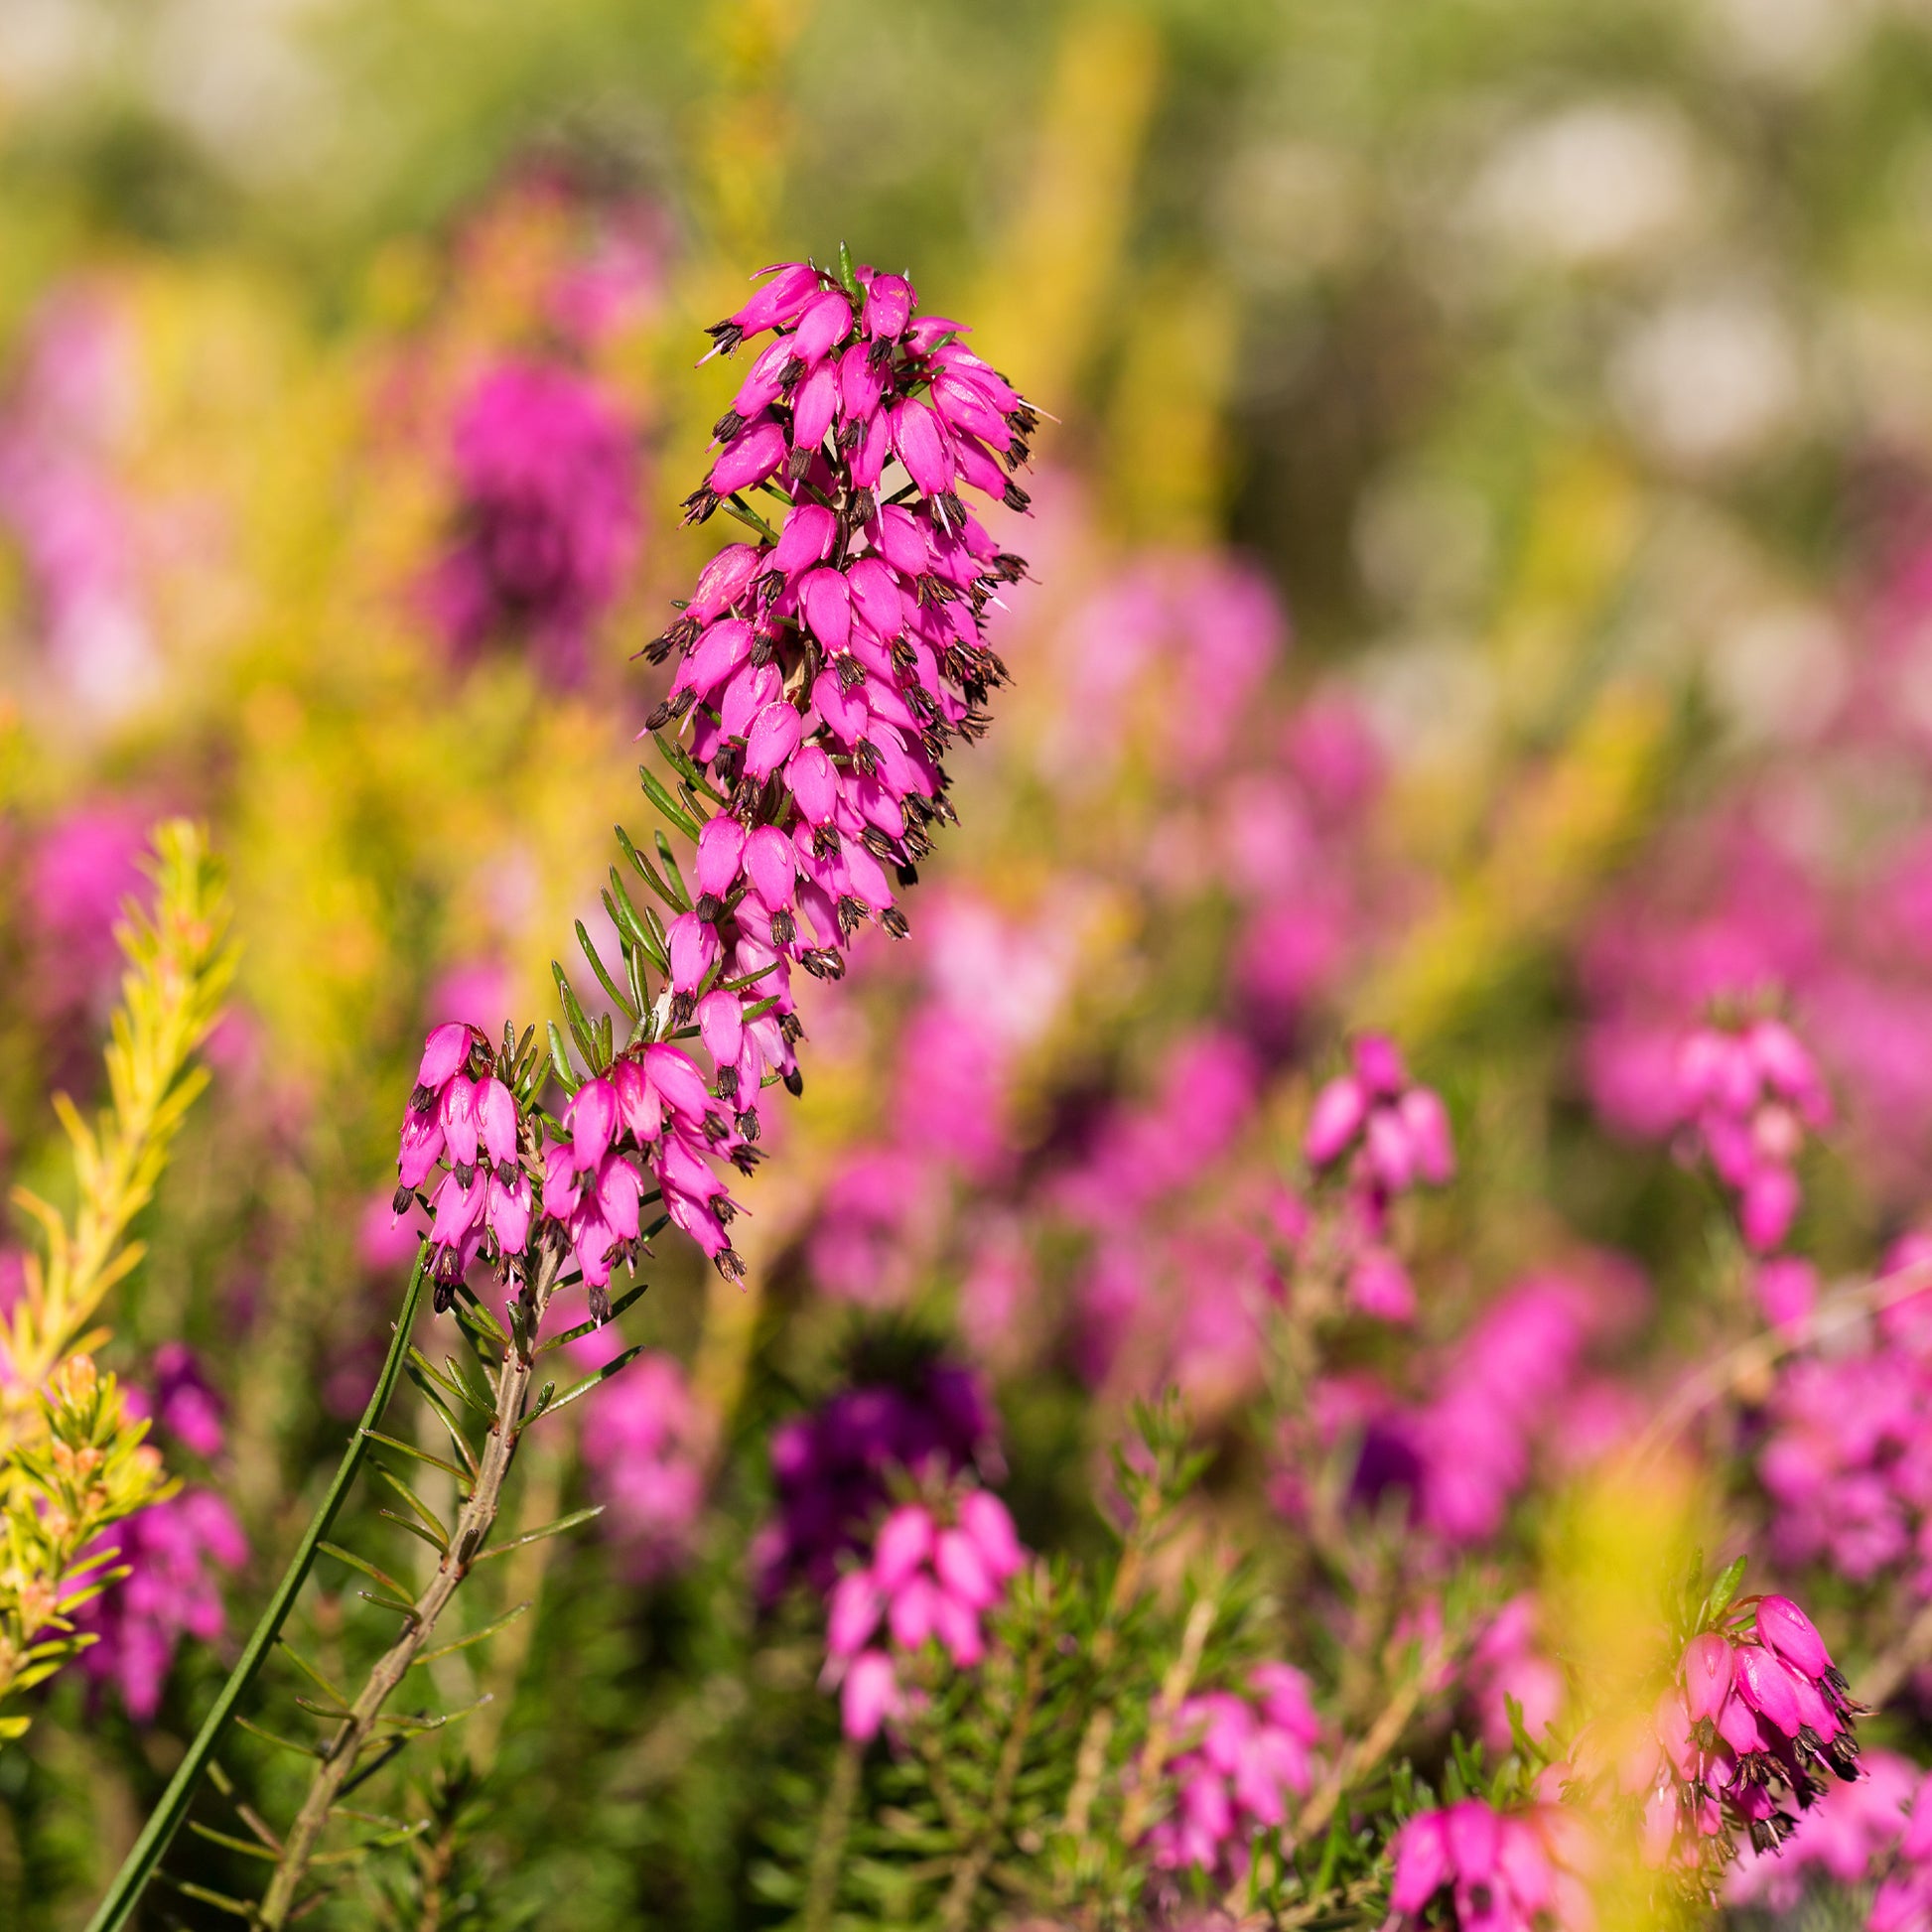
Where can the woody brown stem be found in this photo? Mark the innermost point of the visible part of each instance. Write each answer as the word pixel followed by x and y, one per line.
pixel 834 1828
pixel 1175 1687
pixel 971 1870
pixel 472 1527
pixel 1882 1678
pixel 1368 1751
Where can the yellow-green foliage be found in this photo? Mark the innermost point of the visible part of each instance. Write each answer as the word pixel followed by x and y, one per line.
pixel 74 1461
pixel 89 1468
pixel 179 968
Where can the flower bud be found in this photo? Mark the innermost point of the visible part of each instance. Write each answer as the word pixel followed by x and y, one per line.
pixel 1707 1671
pixel 1791 1633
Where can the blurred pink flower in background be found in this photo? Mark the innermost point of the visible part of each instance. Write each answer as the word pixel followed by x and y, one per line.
pixel 1847 1455
pixel 1513 1388
pixel 477 992
pixel 1848 1836
pixel 859 1249
pixel 642 1438
pixel 68 510
pixel 546 477
pixel 1246 1756
pixel 617 281
pixel 1509 1661
pixel 82 867
pixel 1202 631
pixel 175 1550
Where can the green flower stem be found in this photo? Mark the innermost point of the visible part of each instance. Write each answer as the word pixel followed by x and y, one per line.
pixel 131 1880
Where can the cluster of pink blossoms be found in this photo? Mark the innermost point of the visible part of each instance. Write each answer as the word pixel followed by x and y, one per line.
pixel 1247 1756
pixel 927 1581
pixel 463 1115
pixel 1751 1720
pixel 821 673
pixel 657 1105
pixel 661 1104
pixel 1504 1871
pixel 1393 1134
pixel 1847 1457
pixel 1747 1096
pixel 547 480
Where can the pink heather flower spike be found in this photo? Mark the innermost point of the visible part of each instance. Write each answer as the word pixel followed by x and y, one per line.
pixel 1751 1731
pixel 819 677
pixel 1386 1136
pixel 928 1581
pixel 821 674
pixel 1399 1133
pixel 1504 1871
pixel 1745 1100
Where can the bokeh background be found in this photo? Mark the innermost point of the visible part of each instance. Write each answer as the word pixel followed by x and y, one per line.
pixel 1480 581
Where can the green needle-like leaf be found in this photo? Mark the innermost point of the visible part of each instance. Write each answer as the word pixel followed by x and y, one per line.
pixel 584 1328
pixel 678 818
pixel 375 1576
pixel 475 1636
pixel 557 1528
pixel 615 1366
pixel 420 1454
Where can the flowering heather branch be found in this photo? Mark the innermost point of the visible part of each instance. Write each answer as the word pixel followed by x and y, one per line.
pixel 1751 1725
pixel 822 673
pixel 1385 1134
pixel 927 1581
